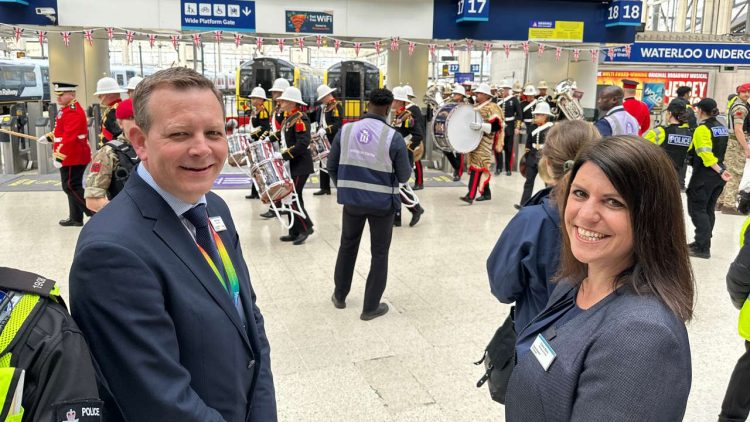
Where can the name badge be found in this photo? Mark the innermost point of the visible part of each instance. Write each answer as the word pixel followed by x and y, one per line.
pixel 543 352
pixel 218 224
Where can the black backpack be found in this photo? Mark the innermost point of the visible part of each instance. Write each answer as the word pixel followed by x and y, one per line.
pixel 126 161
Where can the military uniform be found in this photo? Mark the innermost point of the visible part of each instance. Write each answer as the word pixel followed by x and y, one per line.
pixel 513 112
pixel 110 129
pixel 534 144
pixel 456 159
pixel 735 156
pixel 417 145
pixel 295 136
pixel 107 176
pixel 480 159
pixel 71 150
pixel 329 117
pixel 406 124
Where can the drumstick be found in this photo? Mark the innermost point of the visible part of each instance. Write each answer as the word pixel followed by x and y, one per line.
pixel 19 134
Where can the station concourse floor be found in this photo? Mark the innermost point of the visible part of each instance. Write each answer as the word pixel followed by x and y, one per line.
pixel 415 363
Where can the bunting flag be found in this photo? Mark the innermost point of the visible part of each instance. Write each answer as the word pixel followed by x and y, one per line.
pixel 129 36
pixel 319 40
pixel 412 46
pixel 394 43
pixel 487 48
pixel 506 46
pixel 469 45
pixel 66 38
pixel 301 43
pixel 357 46
pixel 151 40
pixel 627 50
pixel 218 35
pixel 611 54
pixel 377 47
pixel 594 55
pixel 540 50
pixel 525 46
pixel 280 43
pixel 576 54
pixel 40 35
pixel 174 39
pixel 452 48
pixel 237 39
pixel 89 36
pixel 110 33
pixel 18 32
pixel 433 49
pixel 259 43
pixel 197 40
pixel 558 53
pixel 336 46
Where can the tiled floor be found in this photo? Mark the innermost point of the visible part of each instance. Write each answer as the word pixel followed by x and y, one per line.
pixel 414 364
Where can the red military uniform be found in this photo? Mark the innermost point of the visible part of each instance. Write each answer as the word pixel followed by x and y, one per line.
pixel 110 129
pixel 639 110
pixel 71 136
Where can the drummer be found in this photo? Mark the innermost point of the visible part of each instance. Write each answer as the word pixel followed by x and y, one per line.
pixel 417 144
pixel 275 120
pixel 534 145
pixel 259 118
pixel 328 115
pixel 480 159
pixel 456 159
pixel 295 140
pixel 407 125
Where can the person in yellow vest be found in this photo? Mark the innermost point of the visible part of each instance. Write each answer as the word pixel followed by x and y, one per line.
pixel 736 404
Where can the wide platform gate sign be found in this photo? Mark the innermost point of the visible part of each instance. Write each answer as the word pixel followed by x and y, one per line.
pixel 222 15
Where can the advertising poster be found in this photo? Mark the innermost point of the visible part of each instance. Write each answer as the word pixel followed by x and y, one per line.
pixel 653 95
pixel 307 22
pixel 650 80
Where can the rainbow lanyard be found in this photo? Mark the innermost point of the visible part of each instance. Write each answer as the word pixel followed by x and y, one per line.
pixel 234 282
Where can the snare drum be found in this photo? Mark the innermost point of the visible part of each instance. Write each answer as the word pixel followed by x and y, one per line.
pixel 319 147
pixel 237 149
pixel 451 130
pixel 273 180
pixel 259 151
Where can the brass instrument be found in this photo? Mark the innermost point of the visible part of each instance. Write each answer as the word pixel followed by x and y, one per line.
pixel 566 97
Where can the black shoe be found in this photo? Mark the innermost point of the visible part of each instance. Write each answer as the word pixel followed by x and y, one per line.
pixel 417 187
pixel 339 304
pixel 268 214
pixel 322 192
pixel 456 178
pixel 289 238
pixel 516 206
pixel 467 199
pixel 699 253
pixel 416 215
pixel 302 237
pixel 382 310
pixel 484 198
pixel 507 173
pixel 397 222
pixel 68 222
pixel 253 195
pixel 497 172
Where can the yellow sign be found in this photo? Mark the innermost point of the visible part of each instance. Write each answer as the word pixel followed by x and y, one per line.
pixel 556 31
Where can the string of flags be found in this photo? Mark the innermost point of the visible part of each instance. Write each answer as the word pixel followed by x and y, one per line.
pixel 394 42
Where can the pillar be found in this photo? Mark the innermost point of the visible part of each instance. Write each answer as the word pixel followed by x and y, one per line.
pixel 681 16
pixel 409 70
pixel 511 67
pixel 79 63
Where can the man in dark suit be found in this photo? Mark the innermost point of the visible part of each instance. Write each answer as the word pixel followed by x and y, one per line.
pixel 158 283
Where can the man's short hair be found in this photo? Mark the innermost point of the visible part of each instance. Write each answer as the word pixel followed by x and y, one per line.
pixel 681 91
pixel 381 97
pixel 177 78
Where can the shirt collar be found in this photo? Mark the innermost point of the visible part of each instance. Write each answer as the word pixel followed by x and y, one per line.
pixel 374 116
pixel 178 205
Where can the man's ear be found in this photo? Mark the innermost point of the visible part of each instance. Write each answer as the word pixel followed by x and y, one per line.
pixel 138 139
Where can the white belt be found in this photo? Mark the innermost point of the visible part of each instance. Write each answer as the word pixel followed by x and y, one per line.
pixel 510 119
pixel 528 120
pixel 537 146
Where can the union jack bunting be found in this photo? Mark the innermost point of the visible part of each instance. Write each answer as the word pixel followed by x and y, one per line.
pixel 66 38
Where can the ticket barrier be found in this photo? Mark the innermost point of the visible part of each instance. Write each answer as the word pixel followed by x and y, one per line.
pixel 16 152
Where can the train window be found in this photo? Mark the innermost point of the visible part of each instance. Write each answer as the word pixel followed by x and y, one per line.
pixel 129 74
pixel 372 81
pixel 45 76
pixel 353 84
pixel 120 79
pixel 264 78
pixel 29 78
pixel 287 74
pixel 246 82
pixel 12 77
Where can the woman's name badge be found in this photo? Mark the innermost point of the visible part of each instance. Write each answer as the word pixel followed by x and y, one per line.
pixel 218 224
pixel 543 352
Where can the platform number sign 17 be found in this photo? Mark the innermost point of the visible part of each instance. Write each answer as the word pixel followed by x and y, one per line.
pixel 473 11
pixel 624 13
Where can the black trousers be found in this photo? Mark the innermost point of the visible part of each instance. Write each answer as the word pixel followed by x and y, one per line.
pixel 300 225
pixel 736 405
pixel 381 231
pixel 532 168
pixel 702 193
pixel 325 180
pixel 508 151
pixel 456 160
pixel 72 185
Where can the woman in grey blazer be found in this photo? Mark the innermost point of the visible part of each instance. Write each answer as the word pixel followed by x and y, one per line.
pixel 611 344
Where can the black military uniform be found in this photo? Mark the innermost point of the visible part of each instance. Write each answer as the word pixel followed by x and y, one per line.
pixel 417 147
pixel 331 120
pixel 513 113
pixel 534 144
pixel 260 118
pixel 296 134
pixel 110 129
pixel 411 130
pixel 527 107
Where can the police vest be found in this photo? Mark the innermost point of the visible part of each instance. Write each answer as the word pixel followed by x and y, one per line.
pixel 744 320
pixel 366 177
pixel 675 139
pixel 719 141
pixel 126 161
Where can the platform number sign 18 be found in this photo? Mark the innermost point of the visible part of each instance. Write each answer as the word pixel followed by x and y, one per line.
pixel 473 11
pixel 624 13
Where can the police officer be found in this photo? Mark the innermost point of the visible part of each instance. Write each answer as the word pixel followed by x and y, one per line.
pixel 675 136
pixel 635 107
pixel 112 164
pixel 513 112
pixel 456 159
pixel 683 94
pixel 616 120
pixel 295 138
pixel 70 150
pixel 534 144
pixel 277 117
pixel 709 175
pixel 412 132
pixel 108 93
pixel 329 117
pixel 738 149
pixel 259 118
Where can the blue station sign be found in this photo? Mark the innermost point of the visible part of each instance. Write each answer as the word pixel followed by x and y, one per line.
pixel 685 53
pixel 624 13
pixel 473 11
pixel 29 12
pixel 222 15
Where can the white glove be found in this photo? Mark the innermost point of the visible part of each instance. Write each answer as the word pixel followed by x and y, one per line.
pixel 475 126
pixel 57 164
pixel 486 127
pixel 322 133
pixel 43 140
pixel 278 156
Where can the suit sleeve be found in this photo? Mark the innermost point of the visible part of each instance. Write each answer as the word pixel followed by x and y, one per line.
pixel 625 362
pixel 124 317
pixel 512 261
pixel 333 158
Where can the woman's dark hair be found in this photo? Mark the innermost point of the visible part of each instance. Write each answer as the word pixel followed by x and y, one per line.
pixel 708 106
pixel 644 176
pixel 381 97
pixel 678 109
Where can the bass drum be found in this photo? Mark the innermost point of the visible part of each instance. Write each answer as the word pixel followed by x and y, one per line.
pixel 451 130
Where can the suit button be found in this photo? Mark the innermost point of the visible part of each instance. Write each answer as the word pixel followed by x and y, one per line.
pixel 251 364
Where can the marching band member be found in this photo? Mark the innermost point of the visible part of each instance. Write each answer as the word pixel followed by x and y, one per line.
pixel 407 125
pixel 259 118
pixel 108 92
pixel 328 116
pixel 634 107
pixel 534 145
pixel 542 96
pixel 481 158
pixel 513 113
pixel 295 137
pixel 417 144
pixel 458 95
pixel 528 101
pixel 275 120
